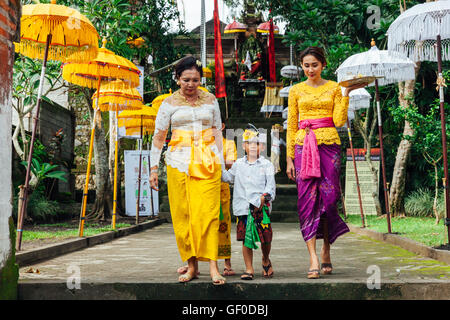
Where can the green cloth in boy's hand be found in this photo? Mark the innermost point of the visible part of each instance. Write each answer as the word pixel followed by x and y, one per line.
pixel 266 219
pixel 251 233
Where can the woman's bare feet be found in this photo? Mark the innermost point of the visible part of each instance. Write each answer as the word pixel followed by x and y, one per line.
pixel 216 277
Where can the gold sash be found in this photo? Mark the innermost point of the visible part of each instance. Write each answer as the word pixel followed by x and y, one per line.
pixel 203 162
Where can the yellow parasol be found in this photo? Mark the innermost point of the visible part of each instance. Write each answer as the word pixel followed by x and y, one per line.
pixel 65 31
pixel 106 67
pixel 116 96
pixel 50 31
pixel 156 103
pixel 207 73
pixel 135 121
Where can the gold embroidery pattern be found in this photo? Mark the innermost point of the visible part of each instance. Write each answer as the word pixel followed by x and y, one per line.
pixel 177 99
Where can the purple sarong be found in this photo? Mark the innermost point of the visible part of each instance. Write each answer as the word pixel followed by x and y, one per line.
pixel 317 197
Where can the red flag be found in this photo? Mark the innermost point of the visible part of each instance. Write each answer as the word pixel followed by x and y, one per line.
pixel 220 73
pixel 271 47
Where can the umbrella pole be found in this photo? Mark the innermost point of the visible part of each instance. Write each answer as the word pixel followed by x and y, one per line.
pixel 88 170
pixel 23 207
pixel 151 189
pixel 356 173
pixel 236 54
pixel 383 167
pixel 444 135
pixel 116 162
pixel 139 177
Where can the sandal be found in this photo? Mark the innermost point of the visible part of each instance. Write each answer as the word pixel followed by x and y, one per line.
pixel 266 273
pixel 314 274
pixel 218 280
pixel 326 265
pixel 228 272
pixel 186 277
pixel 184 269
pixel 247 276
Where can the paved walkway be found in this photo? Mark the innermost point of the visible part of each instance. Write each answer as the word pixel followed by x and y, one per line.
pixel 151 257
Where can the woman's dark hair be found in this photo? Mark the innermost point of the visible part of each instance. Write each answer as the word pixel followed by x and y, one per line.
pixel 188 63
pixel 316 52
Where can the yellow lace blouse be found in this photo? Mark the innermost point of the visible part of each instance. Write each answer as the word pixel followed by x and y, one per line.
pixel 306 102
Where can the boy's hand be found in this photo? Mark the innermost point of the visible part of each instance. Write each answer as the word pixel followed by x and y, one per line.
pixel 262 202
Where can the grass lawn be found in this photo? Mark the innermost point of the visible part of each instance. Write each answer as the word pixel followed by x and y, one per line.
pixel 423 230
pixel 66 230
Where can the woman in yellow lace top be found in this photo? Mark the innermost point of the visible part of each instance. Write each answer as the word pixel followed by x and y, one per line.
pixel 316 107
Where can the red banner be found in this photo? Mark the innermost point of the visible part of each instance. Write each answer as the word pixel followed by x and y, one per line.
pixel 271 47
pixel 220 73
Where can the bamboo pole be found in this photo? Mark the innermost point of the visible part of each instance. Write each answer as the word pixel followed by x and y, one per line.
pixel 444 135
pixel 356 173
pixel 23 208
pixel 116 166
pixel 383 167
pixel 88 170
pixel 139 177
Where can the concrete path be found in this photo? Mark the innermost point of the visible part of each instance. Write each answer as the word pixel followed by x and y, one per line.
pixel 143 266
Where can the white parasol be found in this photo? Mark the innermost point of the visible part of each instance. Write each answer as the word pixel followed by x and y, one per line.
pixel 423 33
pixel 392 67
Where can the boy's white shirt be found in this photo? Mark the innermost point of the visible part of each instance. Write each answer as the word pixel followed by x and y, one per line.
pixel 251 181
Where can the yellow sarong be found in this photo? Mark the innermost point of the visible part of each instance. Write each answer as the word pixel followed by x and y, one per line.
pixel 195 198
pixel 229 153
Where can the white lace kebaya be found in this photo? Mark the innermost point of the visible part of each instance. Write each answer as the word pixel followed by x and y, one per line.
pixel 175 112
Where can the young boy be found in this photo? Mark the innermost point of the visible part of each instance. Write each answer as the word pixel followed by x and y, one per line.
pixel 254 191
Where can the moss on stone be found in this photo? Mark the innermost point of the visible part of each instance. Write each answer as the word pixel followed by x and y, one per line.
pixel 9 274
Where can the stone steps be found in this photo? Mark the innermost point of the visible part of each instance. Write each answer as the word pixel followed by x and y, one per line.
pixel 273 289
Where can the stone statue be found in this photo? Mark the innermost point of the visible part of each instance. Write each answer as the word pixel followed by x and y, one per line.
pixel 250 55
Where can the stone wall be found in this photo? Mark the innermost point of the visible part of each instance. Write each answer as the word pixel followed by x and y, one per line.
pixel 9 19
pixel 52 118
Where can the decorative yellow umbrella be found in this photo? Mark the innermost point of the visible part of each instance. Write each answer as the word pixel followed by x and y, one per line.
pixel 63 30
pixel 156 103
pixel 106 67
pixel 116 96
pixel 207 72
pixel 51 31
pixel 128 119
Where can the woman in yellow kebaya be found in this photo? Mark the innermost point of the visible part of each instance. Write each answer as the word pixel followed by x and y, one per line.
pixel 316 107
pixel 193 168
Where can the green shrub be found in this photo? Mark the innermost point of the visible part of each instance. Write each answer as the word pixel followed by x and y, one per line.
pixel 419 203
pixel 39 208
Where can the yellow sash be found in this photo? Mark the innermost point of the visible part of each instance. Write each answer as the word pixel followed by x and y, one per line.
pixel 203 162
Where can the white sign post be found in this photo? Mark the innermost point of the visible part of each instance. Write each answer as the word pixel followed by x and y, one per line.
pixel 365 182
pixel 131 185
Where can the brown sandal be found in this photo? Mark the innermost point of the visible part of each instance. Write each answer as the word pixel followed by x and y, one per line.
pixel 247 276
pixel 228 272
pixel 266 270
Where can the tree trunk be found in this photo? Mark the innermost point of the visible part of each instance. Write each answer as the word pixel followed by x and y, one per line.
pixel 397 192
pixel 103 195
pixel 112 137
